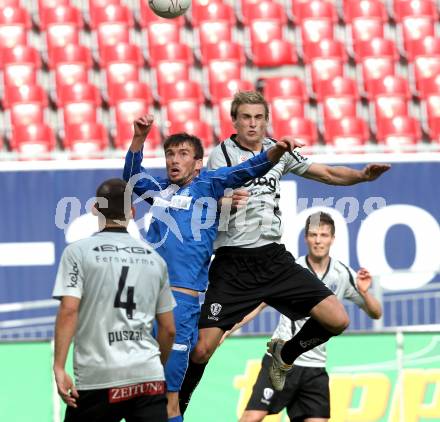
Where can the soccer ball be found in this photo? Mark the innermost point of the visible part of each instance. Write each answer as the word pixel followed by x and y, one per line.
pixel 169 8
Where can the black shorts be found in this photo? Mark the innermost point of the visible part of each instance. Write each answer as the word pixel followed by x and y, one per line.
pixel 306 393
pixel 240 279
pixel 109 405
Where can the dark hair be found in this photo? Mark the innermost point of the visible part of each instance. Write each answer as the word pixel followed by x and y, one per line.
pixel 181 138
pixel 320 218
pixel 248 97
pixel 115 205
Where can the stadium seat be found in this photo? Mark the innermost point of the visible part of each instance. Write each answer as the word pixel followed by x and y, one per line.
pixel 15 16
pixel 67 74
pixel 227 89
pixel 171 51
pixel 70 53
pixel 124 135
pixel 265 30
pixel 194 127
pixel 284 108
pixel 19 73
pixel 428 46
pixel 131 90
pixel 24 94
pixel 315 30
pixel 273 54
pixel 60 35
pixel 315 9
pixel 213 32
pixel 85 138
pixel 32 139
pixel 399 131
pixel 364 29
pixel 432 108
pixel 223 50
pixel 128 110
pixel 26 113
pixel 354 9
pixel 337 86
pixel 48 4
pixel 20 54
pixel 389 85
pixel 116 13
pixel 220 71
pixel 9 3
pixel 59 15
pixel 182 90
pixel 292 87
pixel 121 53
pixel 424 69
pixel 182 109
pixel 147 16
pixel 112 33
pixel 414 29
pixel 94 5
pixel 162 32
pixel 223 116
pixel 79 92
pixel 324 69
pixel 263 10
pixel 338 107
pixel 12 35
pixel 405 8
pixel 387 107
pixel 434 130
pixel 117 73
pixel 429 86
pixel 213 10
pixel 169 72
pixel 346 133
pixel 376 47
pixel 324 48
pixel 298 127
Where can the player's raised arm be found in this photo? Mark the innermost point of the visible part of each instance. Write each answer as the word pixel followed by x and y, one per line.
pixel 341 175
pixel 371 305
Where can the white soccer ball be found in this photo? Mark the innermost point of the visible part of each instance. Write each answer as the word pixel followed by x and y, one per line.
pixel 169 9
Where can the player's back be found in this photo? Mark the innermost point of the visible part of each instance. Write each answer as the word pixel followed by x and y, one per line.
pixel 119 280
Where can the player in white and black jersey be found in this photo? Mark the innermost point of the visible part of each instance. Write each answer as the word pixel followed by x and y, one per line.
pixel 112 288
pixel 252 266
pixel 306 394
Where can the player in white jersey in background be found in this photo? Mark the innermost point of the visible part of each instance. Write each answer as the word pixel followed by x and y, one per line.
pixel 112 288
pixel 251 265
pixel 306 394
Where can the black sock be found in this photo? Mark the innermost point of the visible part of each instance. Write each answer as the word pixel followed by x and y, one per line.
pixel 193 375
pixel 311 335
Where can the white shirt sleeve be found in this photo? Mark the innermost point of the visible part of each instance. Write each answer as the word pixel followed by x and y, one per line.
pixel 70 275
pixel 296 163
pixel 165 300
pixel 216 159
pixel 351 293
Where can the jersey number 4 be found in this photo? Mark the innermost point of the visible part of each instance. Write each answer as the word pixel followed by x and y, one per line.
pixel 129 305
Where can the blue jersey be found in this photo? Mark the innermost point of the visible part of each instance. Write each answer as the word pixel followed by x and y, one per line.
pixel 185 219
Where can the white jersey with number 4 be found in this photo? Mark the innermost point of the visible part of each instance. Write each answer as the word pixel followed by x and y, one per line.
pixel 122 284
pixel 340 279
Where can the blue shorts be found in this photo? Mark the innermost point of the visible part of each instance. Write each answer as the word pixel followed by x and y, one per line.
pixel 186 318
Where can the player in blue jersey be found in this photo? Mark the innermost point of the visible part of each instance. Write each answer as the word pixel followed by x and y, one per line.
pixel 184 226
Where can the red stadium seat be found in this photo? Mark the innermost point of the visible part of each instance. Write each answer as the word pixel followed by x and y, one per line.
pixel 315 9
pixel 338 107
pixel 389 85
pixel 284 108
pixel 415 28
pixel 324 69
pixel 222 110
pixel 224 50
pixel 354 9
pixel 213 32
pixel 315 30
pixel 430 86
pixel 32 139
pixel 336 87
pixel 376 47
pixel 227 89
pixel 48 4
pixel 85 138
pixel 181 110
pixel 298 127
pixel 428 46
pixel 70 53
pixel 170 72
pixel 425 68
pixel 404 8
pixel 387 107
pixel 131 90
pixel 402 131
pixel 26 113
pixel 147 16
pixel 67 74
pixel 112 33
pixel 60 35
pixel 273 54
pixel 12 35
pixel 263 10
pixel 432 107
pixel 324 48
pixel 183 90
pixel 19 74
pixel 292 87
pixel 115 13
pixel 15 16
pixel 124 135
pixel 79 92
pixel 94 5
pixel 20 54
pixel 346 133
pixel 171 51
pixel 60 14
pixel 24 94
pixel 220 71
pixel 365 29
pixel 128 110
pixel 9 3
pixel 265 30
pixel 213 10
pixel 434 130
pixel 119 73
pixel 162 32
pixel 121 53
pixel 194 127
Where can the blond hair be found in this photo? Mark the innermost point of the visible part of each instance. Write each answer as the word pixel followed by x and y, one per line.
pixel 248 97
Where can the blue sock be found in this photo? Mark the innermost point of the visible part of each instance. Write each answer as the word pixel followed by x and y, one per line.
pixel 176 419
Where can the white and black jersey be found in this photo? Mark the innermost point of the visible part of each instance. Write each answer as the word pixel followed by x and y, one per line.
pixel 259 223
pixel 340 279
pixel 122 283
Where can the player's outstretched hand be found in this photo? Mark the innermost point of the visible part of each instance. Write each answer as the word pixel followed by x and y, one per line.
pixel 363 280
pixel 66 388
pixel 142 127
pixel 373 171
pixel 285 144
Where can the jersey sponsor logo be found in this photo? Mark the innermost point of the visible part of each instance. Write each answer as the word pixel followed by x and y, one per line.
pixel 270 182
pixel 215 310
pixel 128 249
pixel 181 202
pixel 73 283
pixel 128 392
pixel 312 342
pixel 125 335
pixel 267 393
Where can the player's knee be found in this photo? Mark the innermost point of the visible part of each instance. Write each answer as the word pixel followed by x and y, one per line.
pixel 202 352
